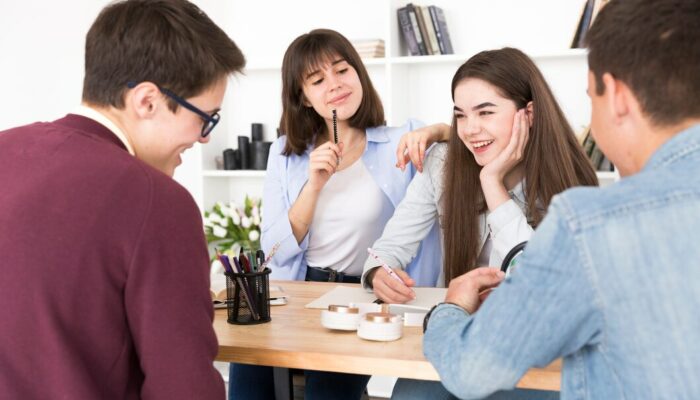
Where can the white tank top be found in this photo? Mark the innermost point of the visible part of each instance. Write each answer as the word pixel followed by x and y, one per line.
pixel 350 215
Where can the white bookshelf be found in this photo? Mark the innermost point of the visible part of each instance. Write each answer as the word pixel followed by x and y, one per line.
pixel 410 87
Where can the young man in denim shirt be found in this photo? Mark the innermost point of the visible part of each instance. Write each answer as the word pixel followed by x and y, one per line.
pixel 610 280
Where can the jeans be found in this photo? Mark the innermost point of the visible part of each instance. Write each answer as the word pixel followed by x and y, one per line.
pixel 412 389
pixel 252 382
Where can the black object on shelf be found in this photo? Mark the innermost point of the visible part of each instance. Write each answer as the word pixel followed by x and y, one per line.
pixel 256 132
pixel 244 151
pixel 237 158
pixel 229 159
pixel 259 151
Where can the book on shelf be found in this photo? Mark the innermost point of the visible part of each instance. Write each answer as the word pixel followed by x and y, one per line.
pixel 413 16
pixel 596 157
pixel 424 29
pixel 599 161
pixel 590 10
pixel 407 30
pixel 437 17
pixel 369 48
pixel 430 30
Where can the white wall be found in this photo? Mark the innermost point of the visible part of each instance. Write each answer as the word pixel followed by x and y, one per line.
pixel 41 58
pixel 42 63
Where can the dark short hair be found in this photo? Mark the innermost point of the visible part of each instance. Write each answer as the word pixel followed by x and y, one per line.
pixel 171 43
pixel 308 52
pixel 654 48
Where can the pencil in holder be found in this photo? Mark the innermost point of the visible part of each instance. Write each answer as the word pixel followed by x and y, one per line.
pixel 248 297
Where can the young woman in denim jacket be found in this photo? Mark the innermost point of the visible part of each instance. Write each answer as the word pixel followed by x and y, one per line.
pixel 510 151
pixel 326 202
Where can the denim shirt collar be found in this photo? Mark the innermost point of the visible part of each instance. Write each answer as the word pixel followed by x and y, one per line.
pixel 681 145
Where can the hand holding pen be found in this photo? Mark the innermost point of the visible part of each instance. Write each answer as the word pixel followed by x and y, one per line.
pixel 391 285
pixel 323 163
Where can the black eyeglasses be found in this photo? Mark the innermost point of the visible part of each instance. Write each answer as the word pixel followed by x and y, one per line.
pixel 210 121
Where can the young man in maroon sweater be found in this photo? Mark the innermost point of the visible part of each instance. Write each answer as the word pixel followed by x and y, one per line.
pixel 104 289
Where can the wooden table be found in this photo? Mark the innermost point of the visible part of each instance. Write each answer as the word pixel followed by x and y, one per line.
pixel 295 339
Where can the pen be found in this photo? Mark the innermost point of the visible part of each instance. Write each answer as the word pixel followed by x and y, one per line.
pixel 335 127
pixel 245 264
pixel 386 267
pixel 253 259
pixel 245 288
pixel 335 131
pixel 224 261
pixel 269 256
pixel 260 260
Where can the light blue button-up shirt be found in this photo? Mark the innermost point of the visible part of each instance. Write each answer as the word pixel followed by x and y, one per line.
pixel 287 175
pixel 610 281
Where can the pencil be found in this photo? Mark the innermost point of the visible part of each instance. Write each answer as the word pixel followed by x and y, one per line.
pixel 335 127
pixel 386 267
pixel 269 256
pixel 245 288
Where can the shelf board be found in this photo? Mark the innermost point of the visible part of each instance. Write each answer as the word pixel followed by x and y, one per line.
pixel 233 174
pixel 434 59
pixel 276 68
pixel 374 61
pixel 460 58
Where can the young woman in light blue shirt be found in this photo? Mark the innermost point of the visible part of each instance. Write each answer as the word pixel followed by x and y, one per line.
pixel 322 72
pixel 326 202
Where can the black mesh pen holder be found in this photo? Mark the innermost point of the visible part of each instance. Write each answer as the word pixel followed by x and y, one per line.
pixel 248 298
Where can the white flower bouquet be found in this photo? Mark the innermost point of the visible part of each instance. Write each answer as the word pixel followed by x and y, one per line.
pixel 229 227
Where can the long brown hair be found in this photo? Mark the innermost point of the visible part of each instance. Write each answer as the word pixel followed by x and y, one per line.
pixel 308 52
pixel 553 158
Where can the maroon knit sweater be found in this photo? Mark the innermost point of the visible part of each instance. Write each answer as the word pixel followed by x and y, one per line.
pixel 104 272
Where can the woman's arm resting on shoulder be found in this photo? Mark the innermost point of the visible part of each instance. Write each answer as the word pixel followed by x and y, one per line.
pixel 412 145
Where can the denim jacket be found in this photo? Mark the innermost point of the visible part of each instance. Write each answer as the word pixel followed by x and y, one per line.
pixel 287 175
pixel 610 281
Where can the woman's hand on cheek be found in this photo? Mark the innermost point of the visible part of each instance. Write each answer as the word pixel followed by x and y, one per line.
pixel 512 155
pixel 493 173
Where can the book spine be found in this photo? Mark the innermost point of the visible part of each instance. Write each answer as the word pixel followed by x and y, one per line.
pixel 407 29
pixel 579 27
pixel 416 29
pixel 605 165
pixel 596 157
pixel 444 33
pixel 588 144
pixel 586 23
pixel 423 30
pixel 438 34
pixel 432 37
